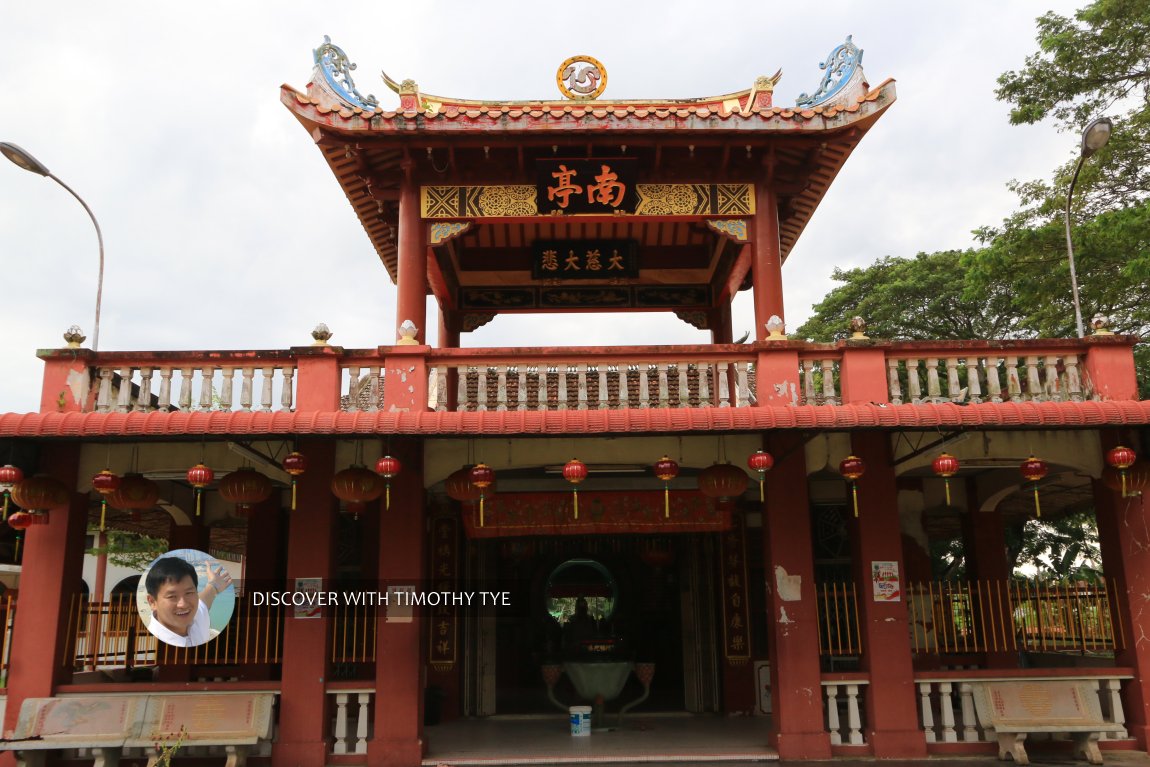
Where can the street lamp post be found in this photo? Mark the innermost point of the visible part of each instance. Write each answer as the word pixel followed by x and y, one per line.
pixel 29 163
pixel 1095 136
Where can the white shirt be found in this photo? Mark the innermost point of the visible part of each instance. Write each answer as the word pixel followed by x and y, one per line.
pixel 200 631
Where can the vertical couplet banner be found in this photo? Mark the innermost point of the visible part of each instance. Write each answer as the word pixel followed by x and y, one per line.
pixel 444 572
pixel 736 618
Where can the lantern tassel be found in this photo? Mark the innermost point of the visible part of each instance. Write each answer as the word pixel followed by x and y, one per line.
pixel 576 494
pixel 387 497
pixel 666 502
pixel 293 494
pixel 946 484
pixel 5 517
pixel 103 512
pixel 197 502
pixel 1037 505
pixel 762 493
pixel 481 509
pixel 1121 474
pixel 16 555
pixel 855 496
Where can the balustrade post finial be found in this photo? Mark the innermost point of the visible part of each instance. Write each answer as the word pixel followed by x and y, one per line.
pixel 858 329
pixel 74 336
pixel 407 334
pixel 775 328
pixel 321 334
pixel 1101 325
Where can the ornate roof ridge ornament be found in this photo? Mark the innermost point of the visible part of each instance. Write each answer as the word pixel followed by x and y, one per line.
pixel 843 69
pixel 581 83
pixel 336 68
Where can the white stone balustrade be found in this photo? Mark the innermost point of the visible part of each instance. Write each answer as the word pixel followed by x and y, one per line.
pixel 820 377
pixel 947 712
pixel 361 387
pixel 548 385
pixel 1049 377
pixel 264 385
pixel 844 712
pixel 352 726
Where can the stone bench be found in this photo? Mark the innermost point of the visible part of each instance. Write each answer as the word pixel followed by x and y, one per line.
pixel 106 725
pixel 1015 709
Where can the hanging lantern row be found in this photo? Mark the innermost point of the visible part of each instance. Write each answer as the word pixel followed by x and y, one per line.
pixel 1034 469
pixel 482 475
pixel 852 468
pixel 105 483
pixel 723 482
pixel 575 471
pixel 1121 458
pixel 946 466
pixel 294 464
pixel 666 470
pixel 9 476
pixel 761 462
pixel 387 467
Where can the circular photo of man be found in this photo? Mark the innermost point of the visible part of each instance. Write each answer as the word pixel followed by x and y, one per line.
pixel 186 598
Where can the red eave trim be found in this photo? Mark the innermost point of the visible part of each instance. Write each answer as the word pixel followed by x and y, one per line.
pixel 1065 415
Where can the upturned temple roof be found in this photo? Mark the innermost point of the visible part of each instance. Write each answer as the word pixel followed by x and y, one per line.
pixel 804 145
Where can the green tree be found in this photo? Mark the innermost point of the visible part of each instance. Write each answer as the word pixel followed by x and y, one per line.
pixel 1065 549
pixel 929 296
pixel 131 550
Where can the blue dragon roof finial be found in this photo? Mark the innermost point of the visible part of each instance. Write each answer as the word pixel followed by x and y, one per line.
pixel 333 62
pixel 840 67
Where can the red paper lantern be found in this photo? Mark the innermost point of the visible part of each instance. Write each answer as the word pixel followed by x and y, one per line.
pixel 199 477
pixel 1121 458
pixel 761 461
pixel 388 467
pixel 575 471
pixel 136 492
pixel 40 493
pixel 21 520
pixel 356 486
pixel 666 470
pixel 105 483
pixel 294 464
pixel 245 487
pixel 481 475
pixel 852 468
pixel 724 482
pixel 459 486
pixel 946 466
pixel 9 476
pixel 1033 470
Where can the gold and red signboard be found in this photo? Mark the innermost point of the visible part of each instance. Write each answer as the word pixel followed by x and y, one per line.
pixel 516 514
pixel 586 186
pixel 444 574
pixel 583 259
pixel 521 200
pixel 736 616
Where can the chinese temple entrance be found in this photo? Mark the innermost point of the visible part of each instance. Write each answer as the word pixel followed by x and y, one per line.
pixel 600 604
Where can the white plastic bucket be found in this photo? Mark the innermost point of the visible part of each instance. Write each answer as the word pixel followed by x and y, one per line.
pixel 580 720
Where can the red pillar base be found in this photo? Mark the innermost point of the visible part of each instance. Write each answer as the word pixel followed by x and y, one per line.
pixel 395 753
pixel 291 753
pixel 897 744
pixel 803 745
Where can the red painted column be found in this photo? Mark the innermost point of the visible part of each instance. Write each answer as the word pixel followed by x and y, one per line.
pixel 777 373
pixel 52 572
pixel 767 266
pixel 984 544
pixel 1110 366
pixel 892 714
pixel 862 373
pixel 1124 536
pixel 411 298
pixel 66 386
pixel 719 319
pixel 405 378
pixel 263 565
pixel 317 378
pixel 303 716
pixel 400 648
pixel 797 729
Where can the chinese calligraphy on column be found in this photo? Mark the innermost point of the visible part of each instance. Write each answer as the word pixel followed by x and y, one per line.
pixel 736 614
pixel 444 571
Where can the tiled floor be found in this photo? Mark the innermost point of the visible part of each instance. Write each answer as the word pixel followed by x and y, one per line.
pixel 548 740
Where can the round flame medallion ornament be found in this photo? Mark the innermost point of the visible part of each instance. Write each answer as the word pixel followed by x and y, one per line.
pixel 581 78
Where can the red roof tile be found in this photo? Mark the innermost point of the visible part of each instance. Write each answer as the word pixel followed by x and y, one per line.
pixel 1070 415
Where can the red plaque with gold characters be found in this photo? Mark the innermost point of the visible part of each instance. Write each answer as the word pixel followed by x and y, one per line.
pixel 444 572
pixel 595 186
pixel 736 617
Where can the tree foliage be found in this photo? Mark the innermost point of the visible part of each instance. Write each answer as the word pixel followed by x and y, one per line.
pixel 131 550
pixel 1064 549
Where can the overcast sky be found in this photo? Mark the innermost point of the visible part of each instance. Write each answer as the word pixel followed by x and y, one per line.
pixel 224 228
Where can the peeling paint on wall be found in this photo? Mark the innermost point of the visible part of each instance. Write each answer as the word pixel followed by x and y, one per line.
pixel 789 587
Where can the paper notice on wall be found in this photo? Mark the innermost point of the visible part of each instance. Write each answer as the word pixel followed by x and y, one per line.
pixel 400 600
pixel 885 582
pixel 308 606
